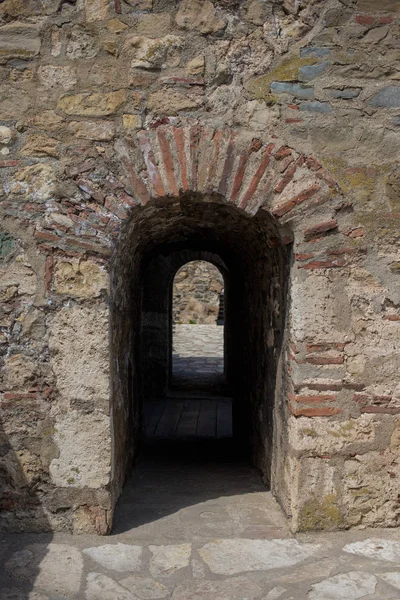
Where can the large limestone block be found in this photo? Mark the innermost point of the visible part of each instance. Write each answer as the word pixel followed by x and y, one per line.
pixel 81 44
pixel 320 308
pixel 17 278
pixel 80 356
pixel 149 53
pixel 102 131
pixel 168 102
pixel 35 182
pixel 321 436
pixel 371 489
pixel 82 279
pixel 98 10
pixel 97 104
pixel 40 145
pixel 199 15
pixel 52 76
pixel 19 40
pixel 19 372
pixel 83 442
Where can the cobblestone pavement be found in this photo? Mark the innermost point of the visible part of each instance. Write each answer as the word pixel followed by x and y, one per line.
pixel 198 355
pixel 189 527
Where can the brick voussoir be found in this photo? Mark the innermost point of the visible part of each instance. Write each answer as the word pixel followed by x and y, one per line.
pixel 253 185
pixel 195 133
pixel 169 168
pixel 155 180
pixel 228 166
pixel 214 162
pixel 280 211
pixel 204 158
pixel 179 137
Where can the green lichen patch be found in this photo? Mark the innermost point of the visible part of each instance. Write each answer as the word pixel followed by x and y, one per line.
pixel 321 513
pixel 361 492
pixel 344 430
pixel 288 70
pixel 308 431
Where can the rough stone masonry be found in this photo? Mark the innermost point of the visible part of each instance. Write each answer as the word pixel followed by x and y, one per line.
pixel 283 111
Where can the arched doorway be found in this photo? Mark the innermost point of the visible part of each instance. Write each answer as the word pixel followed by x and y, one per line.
pixel 159 240
pixel 198 327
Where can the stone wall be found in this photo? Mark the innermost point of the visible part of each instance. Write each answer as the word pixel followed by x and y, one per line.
pixel 196 293
pixel 287 108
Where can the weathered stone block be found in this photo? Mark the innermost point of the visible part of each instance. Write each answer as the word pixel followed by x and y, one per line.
pixel 365 478
pixel 19 372
pixel 154 25
pixel 321 436
pixel 78 342
pixel 81 44
pixel 84 460
pixel 102 131
pixel 347 93
pixel 310 72
pixel 116 26
pixel 81 279
pixel 199 15
pixel 40 145
pixel 295 89
pixel 55 76
pixel 19 40
pixel 36 182
pixel 131 122
pixel 170 102
pixel 151 53
pixel 317 107
pixel 388 97
pixel 98 10
pixel 95 104
pixel 196 66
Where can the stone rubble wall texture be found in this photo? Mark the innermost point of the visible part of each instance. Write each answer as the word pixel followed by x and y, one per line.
pixel 196 293
pixel 285 106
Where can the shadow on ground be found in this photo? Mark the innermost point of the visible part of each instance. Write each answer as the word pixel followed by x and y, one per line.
pixel 208 479
pixel 20 510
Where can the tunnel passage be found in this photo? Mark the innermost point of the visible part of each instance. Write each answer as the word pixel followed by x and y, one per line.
pixel 247 250
pixel 197 339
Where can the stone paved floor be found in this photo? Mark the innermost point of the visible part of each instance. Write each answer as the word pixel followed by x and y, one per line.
pixel 198 355
pixel 189 527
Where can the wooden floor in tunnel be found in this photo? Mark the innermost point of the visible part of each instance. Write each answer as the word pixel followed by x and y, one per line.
pixel 186 418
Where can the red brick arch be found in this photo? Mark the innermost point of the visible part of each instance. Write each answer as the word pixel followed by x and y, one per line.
pixel 244 169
